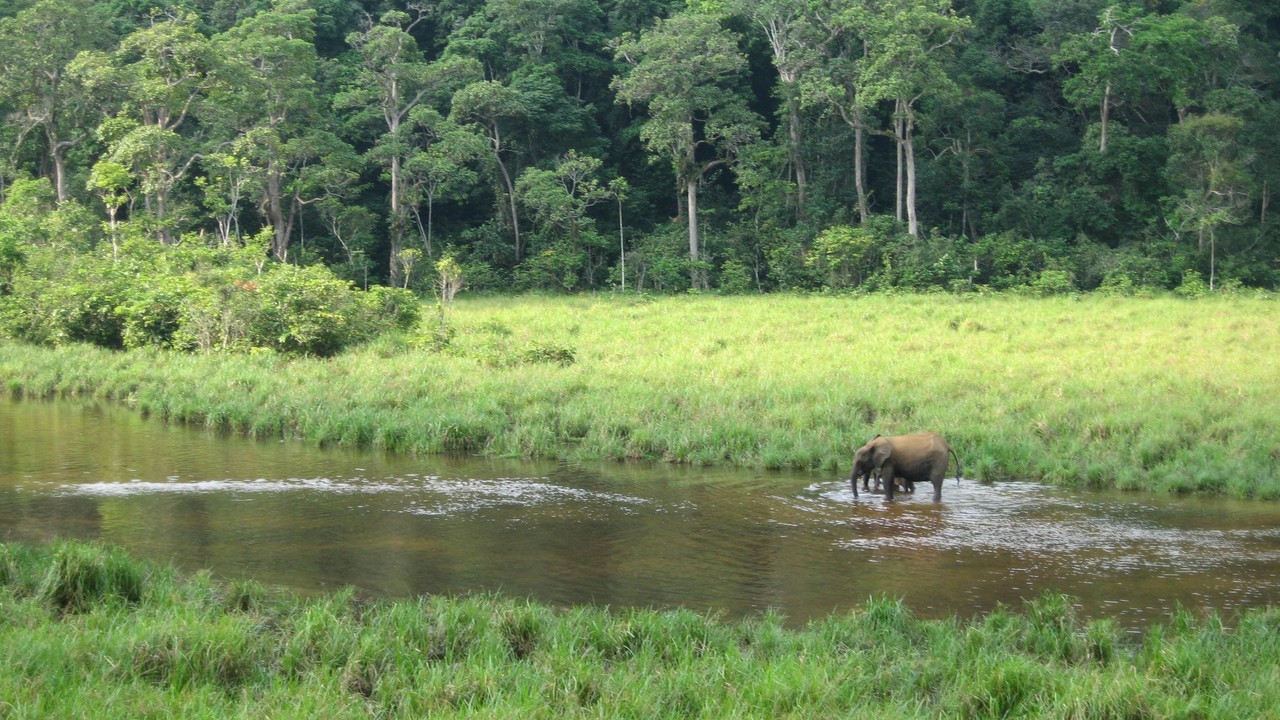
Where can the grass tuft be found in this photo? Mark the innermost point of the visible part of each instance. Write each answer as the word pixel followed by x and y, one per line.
pixel 82 576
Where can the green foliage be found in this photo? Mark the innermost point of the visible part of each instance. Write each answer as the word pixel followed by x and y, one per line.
pixel 193 297
pixel 1053 282
pixel 845 255
pixel 553 268
pixel 497 129
pixel 1192 285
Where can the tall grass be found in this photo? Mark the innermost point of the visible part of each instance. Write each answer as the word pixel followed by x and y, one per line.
pixel 187 647
pixel 1164 394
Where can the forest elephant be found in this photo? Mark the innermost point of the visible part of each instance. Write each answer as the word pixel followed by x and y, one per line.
pixel 921 457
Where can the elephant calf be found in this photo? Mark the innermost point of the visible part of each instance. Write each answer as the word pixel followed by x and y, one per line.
pixel 921 457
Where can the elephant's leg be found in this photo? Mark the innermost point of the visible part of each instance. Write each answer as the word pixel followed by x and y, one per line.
pixel 939 476
pixel 888 471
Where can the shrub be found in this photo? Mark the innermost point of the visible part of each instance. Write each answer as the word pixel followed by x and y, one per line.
pixel 1192 286
pixel 307 311
pixel 1053 282
pixel 844 255
pixel 152 315
pixel 193 297
pixel 392 307
pixel 1117 283
pixel 735 278
pixel 83 575
pixel 789 268
pixel 554 268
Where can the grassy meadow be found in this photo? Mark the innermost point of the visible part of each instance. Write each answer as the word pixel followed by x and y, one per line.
pixel 1165 394
pixel 86 631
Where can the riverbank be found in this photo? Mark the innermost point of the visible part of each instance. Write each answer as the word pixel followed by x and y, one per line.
pixel 1160 394
pixel 88 631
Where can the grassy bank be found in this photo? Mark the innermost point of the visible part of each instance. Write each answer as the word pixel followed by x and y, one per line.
pixel 86 631
pixel 1163 394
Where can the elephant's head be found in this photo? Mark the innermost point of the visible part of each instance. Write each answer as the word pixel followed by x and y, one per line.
pixel 867 459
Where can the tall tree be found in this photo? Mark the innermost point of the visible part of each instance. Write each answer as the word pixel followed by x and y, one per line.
pixel 684 69
pixel 154 83
pixel 1130 55
pixel 275 91
pixel 793 42
pixel 1210 166
pixel 36 45
pixel 560 197
pixel 439 166
pixel 907 46
pixel 488 106
pixel 835 86
pixel 393 78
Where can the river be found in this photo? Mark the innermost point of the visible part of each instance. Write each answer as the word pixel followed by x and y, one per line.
pixel 724 540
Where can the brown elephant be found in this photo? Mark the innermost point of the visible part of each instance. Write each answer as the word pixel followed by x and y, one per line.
pixel 921 457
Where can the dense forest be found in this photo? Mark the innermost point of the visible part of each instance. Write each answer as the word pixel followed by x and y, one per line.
pixel 659 145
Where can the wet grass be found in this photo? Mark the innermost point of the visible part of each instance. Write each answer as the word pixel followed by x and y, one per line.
pixel 1164 394
pixel 193 647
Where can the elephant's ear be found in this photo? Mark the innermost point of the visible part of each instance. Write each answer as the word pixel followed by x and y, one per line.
pixel 880 455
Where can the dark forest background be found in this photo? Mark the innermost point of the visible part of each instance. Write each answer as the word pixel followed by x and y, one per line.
pixel 569 145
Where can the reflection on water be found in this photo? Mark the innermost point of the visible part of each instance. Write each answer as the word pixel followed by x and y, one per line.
pixel 734 541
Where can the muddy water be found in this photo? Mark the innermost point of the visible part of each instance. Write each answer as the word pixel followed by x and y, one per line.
pixel 731 541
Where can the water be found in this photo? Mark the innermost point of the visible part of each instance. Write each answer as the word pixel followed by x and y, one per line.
pixel 731 541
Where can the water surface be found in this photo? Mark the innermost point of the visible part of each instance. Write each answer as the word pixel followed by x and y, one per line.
pixel 731 541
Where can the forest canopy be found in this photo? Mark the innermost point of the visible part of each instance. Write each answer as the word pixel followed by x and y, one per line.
pixel 660 145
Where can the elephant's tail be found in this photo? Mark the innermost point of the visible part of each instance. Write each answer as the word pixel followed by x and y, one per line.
pixel 959 472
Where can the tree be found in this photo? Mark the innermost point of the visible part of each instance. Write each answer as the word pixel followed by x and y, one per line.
pixel 156 81
pixel 438 166
pixel 792 39
pixel 559 198
pixel 907 44
pixel 487 106
pixel 1131 54
pixel 38 43
pixel 1103 63
pixel 684 69
pixel 111 182
pixel 834 83
pixel 391 81
pixel 1210 165
pixel 275 67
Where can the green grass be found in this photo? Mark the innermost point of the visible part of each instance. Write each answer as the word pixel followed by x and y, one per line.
pixel 1138 393
pixel 192 647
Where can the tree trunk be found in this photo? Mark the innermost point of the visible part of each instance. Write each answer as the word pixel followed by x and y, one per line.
pixel 1213 258
pixel 622 245
pixel 691 192
pixel 1106 117
pixel 511 197
pixel 275 214
pixel 908 151
pixel 860 171
pixel 58 156
pixel 797 158
pixel 397 223
pixel 897 131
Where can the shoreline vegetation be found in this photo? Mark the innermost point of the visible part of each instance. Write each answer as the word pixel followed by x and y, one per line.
pixel 1162 394
pixel 86 630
